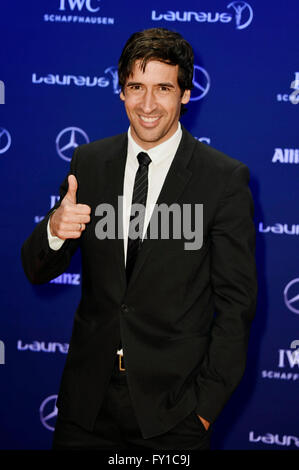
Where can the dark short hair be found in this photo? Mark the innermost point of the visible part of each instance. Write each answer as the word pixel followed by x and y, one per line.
pixel 157 44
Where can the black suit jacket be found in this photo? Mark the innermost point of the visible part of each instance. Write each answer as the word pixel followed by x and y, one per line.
pixel 184 318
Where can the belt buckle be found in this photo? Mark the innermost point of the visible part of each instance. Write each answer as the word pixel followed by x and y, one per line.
pixel 120 361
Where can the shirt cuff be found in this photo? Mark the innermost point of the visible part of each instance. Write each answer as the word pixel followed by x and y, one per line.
pixel 55 243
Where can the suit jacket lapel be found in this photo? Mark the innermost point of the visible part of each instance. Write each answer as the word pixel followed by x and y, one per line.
pixel 115 173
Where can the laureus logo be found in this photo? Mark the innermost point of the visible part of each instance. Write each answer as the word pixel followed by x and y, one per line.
pixel 243 14
pixel 240 11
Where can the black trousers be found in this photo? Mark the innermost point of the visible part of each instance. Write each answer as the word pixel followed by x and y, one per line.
pixel 116 427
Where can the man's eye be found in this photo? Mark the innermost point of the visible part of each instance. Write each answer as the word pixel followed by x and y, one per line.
pixel 135 87
pixel 164 88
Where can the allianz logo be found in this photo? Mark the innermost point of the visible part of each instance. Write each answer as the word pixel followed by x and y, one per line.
pixel 279 229
pixel 271 439
pixel 286 156
pixel 67 278
pixel 42 346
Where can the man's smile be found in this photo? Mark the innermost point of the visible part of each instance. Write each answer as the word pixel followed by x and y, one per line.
pixel 149 121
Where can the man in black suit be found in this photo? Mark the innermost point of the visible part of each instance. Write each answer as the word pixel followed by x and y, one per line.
pixel 160 336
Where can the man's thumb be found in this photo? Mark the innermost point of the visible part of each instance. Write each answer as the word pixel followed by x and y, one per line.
pixel 73 186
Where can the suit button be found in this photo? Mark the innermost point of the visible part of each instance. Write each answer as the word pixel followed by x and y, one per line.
pixel 125 308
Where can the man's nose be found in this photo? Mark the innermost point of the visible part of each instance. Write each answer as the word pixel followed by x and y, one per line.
pixel 148 102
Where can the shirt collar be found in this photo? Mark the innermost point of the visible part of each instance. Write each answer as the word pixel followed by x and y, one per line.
pixel 159 153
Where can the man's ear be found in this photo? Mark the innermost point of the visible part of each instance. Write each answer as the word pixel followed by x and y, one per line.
pixel 122 96
pixel 186 97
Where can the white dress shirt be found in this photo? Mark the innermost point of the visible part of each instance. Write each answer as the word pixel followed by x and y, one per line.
pixel 161 156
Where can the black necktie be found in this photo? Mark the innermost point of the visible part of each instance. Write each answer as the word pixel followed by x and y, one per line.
pixel 139 197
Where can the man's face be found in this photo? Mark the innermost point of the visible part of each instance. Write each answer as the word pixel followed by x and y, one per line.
pixel 153 102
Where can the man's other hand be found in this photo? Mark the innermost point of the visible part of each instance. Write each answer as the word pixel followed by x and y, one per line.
pixel 70 219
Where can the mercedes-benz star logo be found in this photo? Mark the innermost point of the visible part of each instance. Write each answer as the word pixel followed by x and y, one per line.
pixel 242 10
pixel 291 295
pixel 201 82
pixel 5 140
pixel 68 139
pixel 48 412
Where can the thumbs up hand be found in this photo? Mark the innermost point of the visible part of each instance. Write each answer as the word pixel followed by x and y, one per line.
pixel 69 220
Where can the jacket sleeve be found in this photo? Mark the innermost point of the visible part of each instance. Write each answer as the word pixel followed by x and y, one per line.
pixel 40 262
pixel 234 285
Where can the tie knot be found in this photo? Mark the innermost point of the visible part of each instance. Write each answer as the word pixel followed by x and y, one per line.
pixel 143 159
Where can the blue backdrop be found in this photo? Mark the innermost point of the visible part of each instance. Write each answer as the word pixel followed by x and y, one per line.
pixel 58 89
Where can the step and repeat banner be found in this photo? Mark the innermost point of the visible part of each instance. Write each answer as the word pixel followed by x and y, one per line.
pixel 59 89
